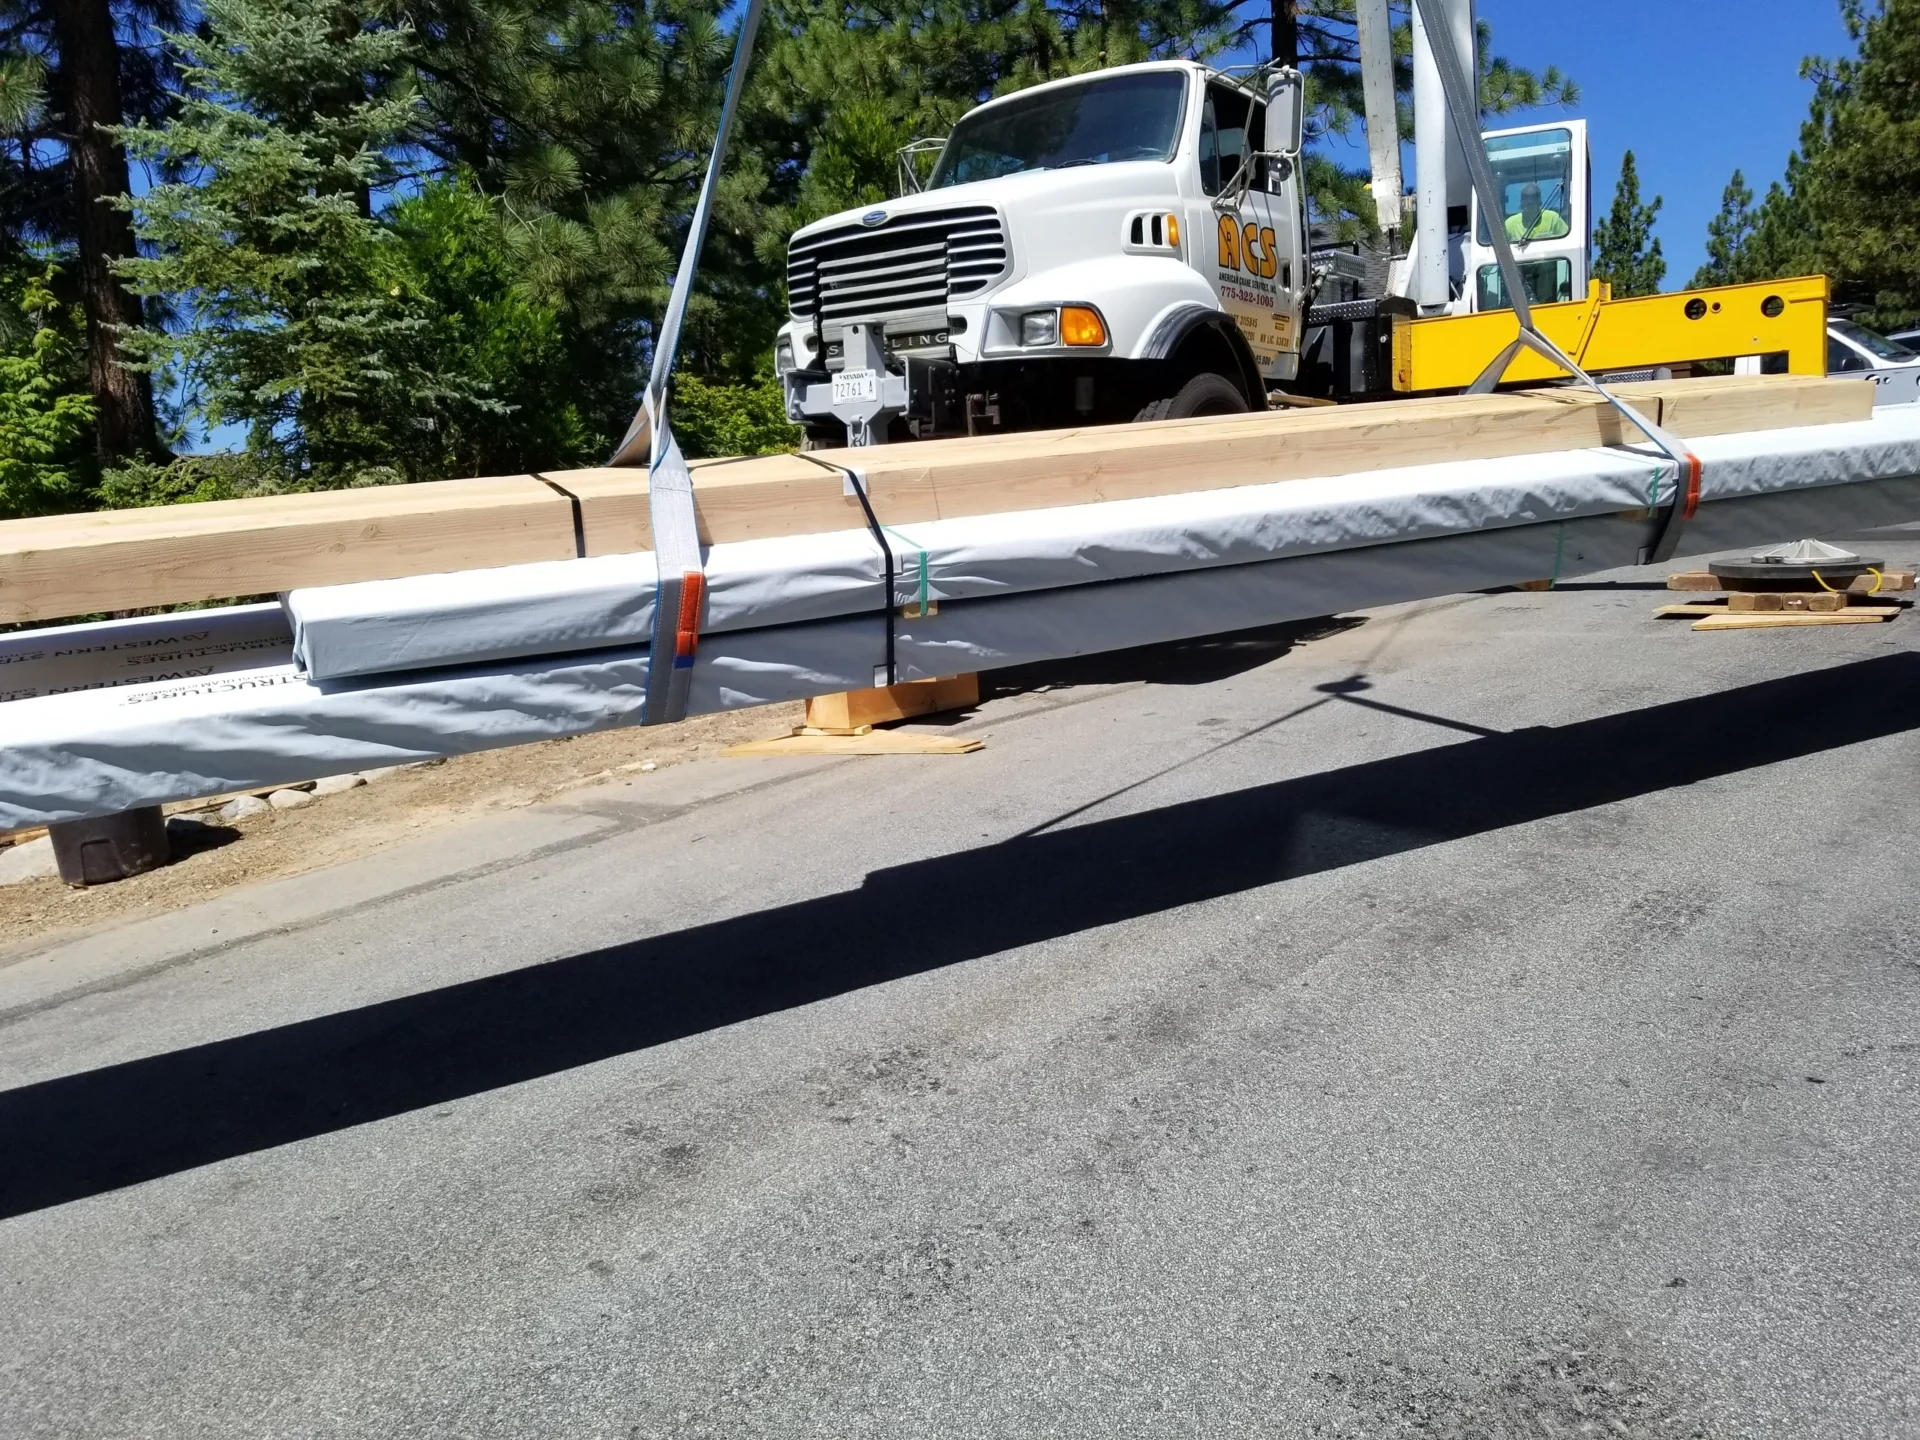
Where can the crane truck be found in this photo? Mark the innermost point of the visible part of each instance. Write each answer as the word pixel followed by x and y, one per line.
pixel 1135 245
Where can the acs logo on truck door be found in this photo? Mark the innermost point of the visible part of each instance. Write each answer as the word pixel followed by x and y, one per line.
pixel 1249 249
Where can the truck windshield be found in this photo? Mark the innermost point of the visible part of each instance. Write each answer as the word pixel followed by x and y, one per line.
pixel 1127 117
pixel 1533 177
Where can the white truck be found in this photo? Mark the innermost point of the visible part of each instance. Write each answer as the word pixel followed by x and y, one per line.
pixel 1131 244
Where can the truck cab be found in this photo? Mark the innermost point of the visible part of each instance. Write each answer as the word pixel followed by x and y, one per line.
pixel 1125 244
pixel 1543 178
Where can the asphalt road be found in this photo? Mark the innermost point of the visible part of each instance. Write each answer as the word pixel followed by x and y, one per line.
pixel 1497 1018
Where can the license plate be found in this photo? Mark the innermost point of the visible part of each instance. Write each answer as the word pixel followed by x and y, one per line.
pixel 856 385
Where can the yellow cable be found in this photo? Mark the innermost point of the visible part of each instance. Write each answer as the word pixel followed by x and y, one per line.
pixel 1878 581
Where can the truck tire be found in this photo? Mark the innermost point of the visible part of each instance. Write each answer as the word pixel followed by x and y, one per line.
pixel 1207 394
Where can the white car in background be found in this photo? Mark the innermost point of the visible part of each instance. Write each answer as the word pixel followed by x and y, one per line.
pixel 1852 349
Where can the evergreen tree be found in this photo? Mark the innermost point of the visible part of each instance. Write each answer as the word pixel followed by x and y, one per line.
pixel 1626 253
pixel 46 414
pixel 300 318
pixel 1728 233
pixel 70 71
pixel 1861 179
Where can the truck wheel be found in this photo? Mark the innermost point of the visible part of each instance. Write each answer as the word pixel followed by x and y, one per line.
pixel 1207 394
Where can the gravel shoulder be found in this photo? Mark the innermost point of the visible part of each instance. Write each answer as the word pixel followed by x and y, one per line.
pixel 218 856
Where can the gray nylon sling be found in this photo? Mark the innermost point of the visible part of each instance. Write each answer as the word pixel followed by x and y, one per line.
pixel 681 599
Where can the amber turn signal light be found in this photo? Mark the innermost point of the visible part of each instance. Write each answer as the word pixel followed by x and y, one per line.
pixel 1081 325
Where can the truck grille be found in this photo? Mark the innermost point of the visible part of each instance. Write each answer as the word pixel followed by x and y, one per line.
pixel 914 262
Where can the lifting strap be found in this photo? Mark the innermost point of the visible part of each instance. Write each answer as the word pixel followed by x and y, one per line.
pixel 680 601
pixel 1463 107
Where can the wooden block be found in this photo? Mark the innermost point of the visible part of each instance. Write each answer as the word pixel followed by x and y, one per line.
pixel 1854 615
pixel 1763 601
pixel 852 709
pixel 1694 580
pixel 877 742
pixel 61 565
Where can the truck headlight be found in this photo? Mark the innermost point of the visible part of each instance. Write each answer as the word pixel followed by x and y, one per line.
pixel 782 357
pixel 1040 327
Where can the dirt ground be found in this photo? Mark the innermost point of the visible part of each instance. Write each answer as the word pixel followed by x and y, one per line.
pixel 219 855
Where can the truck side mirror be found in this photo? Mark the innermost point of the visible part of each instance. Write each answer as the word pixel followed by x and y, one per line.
pixel 1286 113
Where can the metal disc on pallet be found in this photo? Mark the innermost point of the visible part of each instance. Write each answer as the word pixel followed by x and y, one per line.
pixel 1800 561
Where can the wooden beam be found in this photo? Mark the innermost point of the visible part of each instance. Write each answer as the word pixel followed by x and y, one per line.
pixel 61 566
pixel 983 475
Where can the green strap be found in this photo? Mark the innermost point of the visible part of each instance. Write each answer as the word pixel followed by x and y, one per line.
pixel 923 562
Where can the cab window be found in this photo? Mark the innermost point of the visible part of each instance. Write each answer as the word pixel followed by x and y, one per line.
pixel 1533 180
pixel 1232 123
pixel 1548 282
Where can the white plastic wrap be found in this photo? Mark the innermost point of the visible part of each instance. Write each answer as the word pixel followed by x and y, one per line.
pixel 560 606
pixel 105 654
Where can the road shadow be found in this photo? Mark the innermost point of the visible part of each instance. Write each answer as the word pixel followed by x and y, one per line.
pixel 82 1134
pixel 1609 585
pixel 1176 662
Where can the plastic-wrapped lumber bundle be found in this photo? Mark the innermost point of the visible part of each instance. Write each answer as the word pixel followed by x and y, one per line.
pixel 797 616
pixel 436 620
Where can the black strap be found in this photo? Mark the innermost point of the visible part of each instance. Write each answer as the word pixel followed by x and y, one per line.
pixel 858 486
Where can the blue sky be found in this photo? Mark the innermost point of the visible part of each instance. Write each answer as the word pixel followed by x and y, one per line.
pixel 1695 88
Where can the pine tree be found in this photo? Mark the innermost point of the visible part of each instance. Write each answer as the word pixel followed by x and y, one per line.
pixel 1861 180
pixel 46 414
pixel 70 70
pixel 1626 253
pixel 1728 233
pixel 300 318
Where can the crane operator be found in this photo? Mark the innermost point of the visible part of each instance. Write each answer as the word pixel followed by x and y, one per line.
pixel 1534 222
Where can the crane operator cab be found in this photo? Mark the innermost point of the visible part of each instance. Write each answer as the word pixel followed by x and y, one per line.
pixel 1540 176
